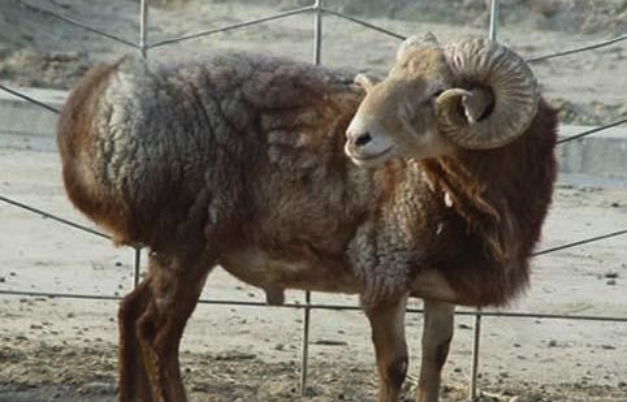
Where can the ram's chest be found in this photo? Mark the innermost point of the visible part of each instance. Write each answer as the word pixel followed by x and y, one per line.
pixel 255 266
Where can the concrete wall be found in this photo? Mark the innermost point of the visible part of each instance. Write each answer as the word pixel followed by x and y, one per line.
pixel 600 156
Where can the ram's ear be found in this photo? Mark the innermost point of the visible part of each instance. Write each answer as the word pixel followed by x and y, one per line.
pixel 365 81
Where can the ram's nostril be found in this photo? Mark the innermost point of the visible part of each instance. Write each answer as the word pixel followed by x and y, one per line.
pixel 363 139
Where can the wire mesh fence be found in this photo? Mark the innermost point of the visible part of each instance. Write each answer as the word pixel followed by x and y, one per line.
pixel 318 11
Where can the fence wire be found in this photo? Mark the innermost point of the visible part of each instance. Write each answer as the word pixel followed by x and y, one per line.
pixel 29 99
pixel 318 9
pixel 76 23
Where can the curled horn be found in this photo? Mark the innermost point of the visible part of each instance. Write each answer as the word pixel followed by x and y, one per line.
pixel 502 99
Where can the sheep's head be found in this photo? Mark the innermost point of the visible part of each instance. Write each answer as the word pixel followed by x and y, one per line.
pixel 438 98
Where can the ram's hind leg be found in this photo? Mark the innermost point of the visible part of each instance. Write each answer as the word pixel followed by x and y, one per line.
pixel 133 382
pixel 152 320
pixel 388 335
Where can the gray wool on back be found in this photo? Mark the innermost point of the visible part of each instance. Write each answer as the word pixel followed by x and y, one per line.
pixel 191 124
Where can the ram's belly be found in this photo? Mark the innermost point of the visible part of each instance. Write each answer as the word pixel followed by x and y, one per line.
pixel 256 267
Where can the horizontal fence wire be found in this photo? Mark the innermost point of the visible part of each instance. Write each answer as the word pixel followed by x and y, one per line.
pixel 232 27
pixel 54 217
pixel 580 243
pixel 79 24
pixel 596 45
pixel 29 99
pixel 328 306
pixel 364 23
pixel 103 235
pixel 592 131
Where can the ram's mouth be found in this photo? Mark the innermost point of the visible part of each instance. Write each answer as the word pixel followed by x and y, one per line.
pixel 369 159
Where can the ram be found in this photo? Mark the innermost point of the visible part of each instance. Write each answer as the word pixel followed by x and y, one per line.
pixel 241 161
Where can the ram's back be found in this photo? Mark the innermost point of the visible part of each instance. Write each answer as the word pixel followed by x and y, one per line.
pixel 155 151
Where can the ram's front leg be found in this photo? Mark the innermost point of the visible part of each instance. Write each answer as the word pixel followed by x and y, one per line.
pixel 436 338
pixel 387 322
pixel 152 322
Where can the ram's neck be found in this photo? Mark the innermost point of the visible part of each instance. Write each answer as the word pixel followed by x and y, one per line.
pixel 503 194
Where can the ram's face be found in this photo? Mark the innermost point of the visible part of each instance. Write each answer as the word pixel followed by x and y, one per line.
pixel 437 100
pixel 397 118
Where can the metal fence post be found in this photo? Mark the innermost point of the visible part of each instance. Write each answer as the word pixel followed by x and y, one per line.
pixel 137 265
pixel 143 48
pixel 143 27
pixel 305 356
pixel 317 49
pixel 494 20
pixel 474 370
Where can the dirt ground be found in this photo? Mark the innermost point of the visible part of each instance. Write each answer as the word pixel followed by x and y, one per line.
pixel 64 350
pixel 54 349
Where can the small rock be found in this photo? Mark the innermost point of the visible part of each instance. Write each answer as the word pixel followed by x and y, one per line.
pixel 608 347
pixel 98 388
pixel 615 205
pixel 329 342
pixel 464 326
pixel 611 282
pixel 312 391
pixel 235 355
pixel 279 347
pixel 2 279
pixel 523 398
pixel 611 275
pixel 552 343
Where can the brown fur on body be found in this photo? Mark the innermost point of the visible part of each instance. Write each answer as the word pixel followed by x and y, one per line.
pixel 499 199
pixel 242 157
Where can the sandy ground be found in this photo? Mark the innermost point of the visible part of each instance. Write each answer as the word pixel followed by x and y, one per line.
pixel 52 346
pixel 64 350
